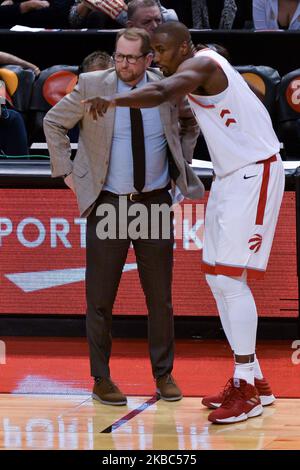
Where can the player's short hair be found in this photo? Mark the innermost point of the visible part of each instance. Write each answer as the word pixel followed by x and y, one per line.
pixel 176 30
pixel 134 34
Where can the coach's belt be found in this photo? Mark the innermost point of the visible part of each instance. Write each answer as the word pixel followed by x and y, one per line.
pixel 136 197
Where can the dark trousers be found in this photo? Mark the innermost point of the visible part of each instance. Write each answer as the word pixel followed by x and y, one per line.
pixel 104 264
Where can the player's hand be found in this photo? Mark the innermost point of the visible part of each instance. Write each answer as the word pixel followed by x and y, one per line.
pixel 111 8
pixel 69 182
pixel 98 105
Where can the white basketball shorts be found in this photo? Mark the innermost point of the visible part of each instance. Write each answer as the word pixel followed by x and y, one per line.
pixel 241 217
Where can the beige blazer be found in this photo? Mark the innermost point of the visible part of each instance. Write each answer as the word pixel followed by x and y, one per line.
pixel 91 162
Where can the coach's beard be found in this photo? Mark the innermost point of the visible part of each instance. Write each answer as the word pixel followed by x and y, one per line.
pixel 128 76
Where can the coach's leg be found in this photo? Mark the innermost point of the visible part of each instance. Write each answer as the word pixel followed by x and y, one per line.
pixel 104 263
pixel 155 265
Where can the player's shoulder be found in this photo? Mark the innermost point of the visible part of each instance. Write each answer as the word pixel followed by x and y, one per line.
pixel 199 63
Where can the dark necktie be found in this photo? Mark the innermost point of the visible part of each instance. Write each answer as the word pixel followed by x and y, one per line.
pixel 138 148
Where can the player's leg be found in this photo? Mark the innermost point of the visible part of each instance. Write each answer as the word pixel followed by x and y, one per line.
pixel 232 293
pixel 265 392
pixel 241 399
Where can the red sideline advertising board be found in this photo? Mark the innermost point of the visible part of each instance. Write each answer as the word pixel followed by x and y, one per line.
pixel 42 260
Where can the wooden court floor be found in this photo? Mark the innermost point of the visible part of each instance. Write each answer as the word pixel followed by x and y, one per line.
pixel 77 422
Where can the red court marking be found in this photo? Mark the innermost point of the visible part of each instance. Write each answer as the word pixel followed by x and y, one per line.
pixel 129 416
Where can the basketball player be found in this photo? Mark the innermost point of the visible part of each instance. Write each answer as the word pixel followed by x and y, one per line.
pixel 244 201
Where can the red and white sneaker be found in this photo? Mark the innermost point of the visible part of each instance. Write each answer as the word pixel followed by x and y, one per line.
pixel 241 401
pixel 264 390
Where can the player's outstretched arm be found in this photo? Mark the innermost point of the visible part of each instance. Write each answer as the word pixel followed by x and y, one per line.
pixel 190 75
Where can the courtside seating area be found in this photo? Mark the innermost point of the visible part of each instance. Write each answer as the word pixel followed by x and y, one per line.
pixel 33 97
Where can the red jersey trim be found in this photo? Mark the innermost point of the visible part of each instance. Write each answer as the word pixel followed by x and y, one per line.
pixel 206 106
pixel 231 271
pixel 262 201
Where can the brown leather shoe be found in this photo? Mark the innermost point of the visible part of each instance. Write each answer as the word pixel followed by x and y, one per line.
pixel 108 393
pixel 167 388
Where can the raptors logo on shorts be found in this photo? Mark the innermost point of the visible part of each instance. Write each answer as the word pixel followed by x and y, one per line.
pixel 255 242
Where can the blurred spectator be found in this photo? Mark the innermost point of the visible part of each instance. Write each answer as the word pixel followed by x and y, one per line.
pixel 114 13
pixel 13 136
pixel 135 5
pixel 34 13
pixel 221 14
pixel 6 59
pixel 276 14
pixel 84 14
pixel 144 14
pixel 78 14
pixel 183 10
pixel 98 60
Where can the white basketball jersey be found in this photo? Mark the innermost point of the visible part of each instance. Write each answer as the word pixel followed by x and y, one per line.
pixel 235 124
